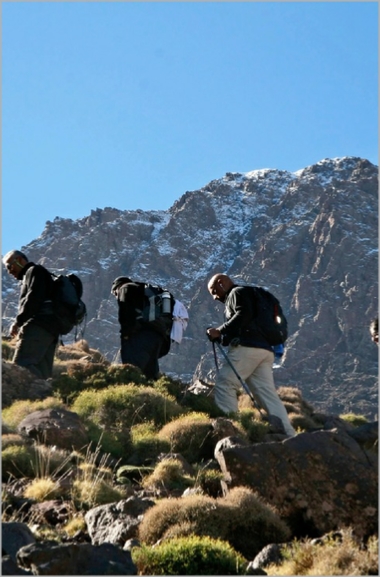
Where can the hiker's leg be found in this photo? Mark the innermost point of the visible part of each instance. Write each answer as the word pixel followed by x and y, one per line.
pixel 35 350
pixel 263 388
pixel 227 384
pixel 142 350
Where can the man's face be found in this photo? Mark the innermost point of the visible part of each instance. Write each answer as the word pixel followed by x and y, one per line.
pixel 216 290
pixel 14 265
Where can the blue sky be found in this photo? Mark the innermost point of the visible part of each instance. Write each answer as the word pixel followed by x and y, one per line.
pixel 131 104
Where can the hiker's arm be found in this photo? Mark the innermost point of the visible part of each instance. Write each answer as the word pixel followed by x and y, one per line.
pixel 31 302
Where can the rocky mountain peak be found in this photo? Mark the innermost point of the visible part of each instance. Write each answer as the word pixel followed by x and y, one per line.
pixel 309 236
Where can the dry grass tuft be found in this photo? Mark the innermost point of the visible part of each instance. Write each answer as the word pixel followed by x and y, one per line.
pixel 43 489
pixel 330 558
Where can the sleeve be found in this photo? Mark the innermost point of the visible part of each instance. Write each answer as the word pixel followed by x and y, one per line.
pixel 34 292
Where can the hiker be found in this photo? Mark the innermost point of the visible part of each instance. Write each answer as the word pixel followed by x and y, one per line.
pixel 249 353
pixel 141 344
pixel 374 330
pixel 35 324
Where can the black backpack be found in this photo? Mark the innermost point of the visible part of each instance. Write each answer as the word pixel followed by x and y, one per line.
pixel 157 311
pixel 270 320
pixel 68 307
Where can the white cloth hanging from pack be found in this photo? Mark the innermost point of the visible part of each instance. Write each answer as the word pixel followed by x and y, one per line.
pixel 180 320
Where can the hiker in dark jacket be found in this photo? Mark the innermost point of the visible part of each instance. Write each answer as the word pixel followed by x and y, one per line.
pixel 35 324
pixel 140 344
pixel 248 352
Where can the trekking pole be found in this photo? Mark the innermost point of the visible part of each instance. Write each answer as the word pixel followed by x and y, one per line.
pixel 243 384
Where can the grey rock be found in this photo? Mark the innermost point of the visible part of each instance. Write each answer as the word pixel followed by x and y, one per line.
pixel 14 536
pixel 48 558
pixel 343 491
pixel 58 427
pixel 116 522
pixel 270 554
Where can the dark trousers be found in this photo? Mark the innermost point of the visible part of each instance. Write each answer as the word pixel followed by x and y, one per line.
pixel 143 349
pixel 35 350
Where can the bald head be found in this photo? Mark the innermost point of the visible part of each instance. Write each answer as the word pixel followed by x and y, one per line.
pixel 219 285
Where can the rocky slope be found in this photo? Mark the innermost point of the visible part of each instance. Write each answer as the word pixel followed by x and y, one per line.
pixel 310 237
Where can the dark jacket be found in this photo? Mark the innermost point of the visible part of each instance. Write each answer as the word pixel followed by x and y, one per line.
pixel 130 298
pixel 36 289
pixel 240 312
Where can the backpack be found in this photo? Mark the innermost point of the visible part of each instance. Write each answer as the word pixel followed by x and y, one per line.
pixel 68 307
pixel 270 320
pixel 157 311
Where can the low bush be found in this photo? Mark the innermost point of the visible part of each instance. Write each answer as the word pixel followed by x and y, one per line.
pixel 190 435
pixel 110 414
pixel 241 518
pixel 254 428
pixel 146 446
pixel 355 420
pixel 168 475
pixel 189 556
pixel 81 376
pixel 17 461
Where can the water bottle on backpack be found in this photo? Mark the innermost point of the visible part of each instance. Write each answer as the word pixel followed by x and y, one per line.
pixel 278 353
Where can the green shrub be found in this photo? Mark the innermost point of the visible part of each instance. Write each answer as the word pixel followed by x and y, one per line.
pixel 209 480
pixel 190 435
pixel 119 407
pixel 7 350
pixel 169 386
pixel 168 475
pixel 110 413
pixel 12 439
pixel 254 429
pixel 145 444
pixel 301 422
pixel 241 518
pixel 17 461
pixel 356 420
pixel 189 556
pixel 80 377
pixel 201 404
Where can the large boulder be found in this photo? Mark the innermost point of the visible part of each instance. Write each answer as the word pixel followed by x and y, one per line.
pixel 14 536
pixel 116 522
pixel 58 427
pixel 50 558
pixel 318 481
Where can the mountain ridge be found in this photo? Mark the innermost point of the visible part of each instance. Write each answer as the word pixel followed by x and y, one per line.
pixel 309 236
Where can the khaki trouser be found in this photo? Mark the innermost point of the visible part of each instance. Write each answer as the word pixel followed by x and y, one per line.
pixel 255 367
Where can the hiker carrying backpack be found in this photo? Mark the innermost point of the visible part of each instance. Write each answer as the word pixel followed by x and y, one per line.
pixel 253 323
pixel 145 314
